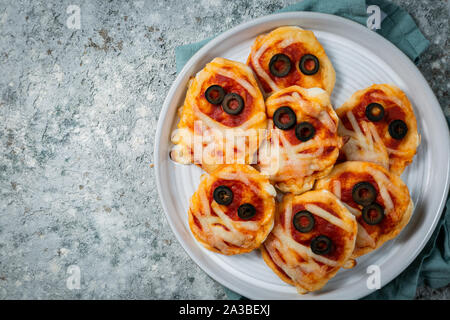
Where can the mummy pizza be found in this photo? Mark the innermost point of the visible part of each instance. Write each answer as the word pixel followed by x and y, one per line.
pixel 313 236
pixel 303 144
pixel 290 56
pixel 233 209
pixel 380 126
pixel 379 200
pixel 224 95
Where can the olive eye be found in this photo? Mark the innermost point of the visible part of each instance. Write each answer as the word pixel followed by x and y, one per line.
pixel 321 244
pixel 303 221
pixel 214 94
pixel 246 211
pixel 374 112
pixel 284 118
pixel 233 104
pixel 373 214
pixel 309 64
pixel 304 131
pixel 280 65
pixel 223 195
pixel 364 193
pixel 398 129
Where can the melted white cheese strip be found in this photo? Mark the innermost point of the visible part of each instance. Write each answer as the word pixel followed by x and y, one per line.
pixel 260 71
pixel 359 134
pixel 289 264
pixel 284 250
pixel 318 211
pixel 368 137
pixel 337 189
pixel 287 42
pixel 299 160
pixel 284 100
pixel 310 108
pixel 232 224
pixel 361 145
pixel 218 140
pixel 295 169
pixel 285 236
pixel 363 239
pixel 397 152
pixel 325 118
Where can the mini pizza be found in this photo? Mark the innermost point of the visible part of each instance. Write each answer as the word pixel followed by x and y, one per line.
pixel 290 56
pixel 303 143
pixel 222 100
pixel 379 200
pixel 232 211
pixel 313 236
pixel 379 126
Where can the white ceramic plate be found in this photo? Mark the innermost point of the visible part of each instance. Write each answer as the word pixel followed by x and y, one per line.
pixel 361 58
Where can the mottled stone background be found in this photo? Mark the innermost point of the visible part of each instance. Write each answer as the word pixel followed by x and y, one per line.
pixel 78 112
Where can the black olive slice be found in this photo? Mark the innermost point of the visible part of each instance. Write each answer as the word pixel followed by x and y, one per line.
pixel 321 244
pixel 246 211
pixel 374 112
pixel 304 131
pixel 305 64
pixel 364 193
pixel 214 94
pixel 398 129
pixel 284 118
pixel 233 104
pixel 373 214
pixel 303 221
pixel 223 195
pixel 280 65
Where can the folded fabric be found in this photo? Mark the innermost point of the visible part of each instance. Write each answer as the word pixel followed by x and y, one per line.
pixel 432 266
pixel 397 26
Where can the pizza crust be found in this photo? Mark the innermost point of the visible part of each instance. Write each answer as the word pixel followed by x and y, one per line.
pixel 392 195
pixel 370 141
pixel 296 165
pixel 293 261
pixel 293 42
pixel 217 227
pixel 211 123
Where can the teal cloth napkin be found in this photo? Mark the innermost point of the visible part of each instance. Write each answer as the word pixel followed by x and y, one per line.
pixel 432 266
pixel 398 26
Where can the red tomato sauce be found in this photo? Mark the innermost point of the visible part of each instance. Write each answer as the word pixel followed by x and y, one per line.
pixel 238 188
pixel 216 112
pixel 346 196
pixel 276 266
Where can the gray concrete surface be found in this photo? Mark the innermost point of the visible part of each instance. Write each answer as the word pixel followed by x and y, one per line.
pixel 78 111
